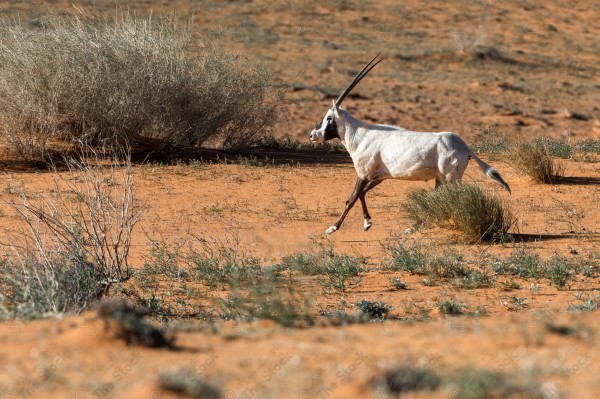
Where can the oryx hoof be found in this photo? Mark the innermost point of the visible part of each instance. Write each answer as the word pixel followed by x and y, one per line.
pixel 330 230
pixel 368 224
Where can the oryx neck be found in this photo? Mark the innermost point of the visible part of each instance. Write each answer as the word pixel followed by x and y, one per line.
pixel 350 133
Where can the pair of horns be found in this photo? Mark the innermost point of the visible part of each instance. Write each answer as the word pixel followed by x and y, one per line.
pixel 363 72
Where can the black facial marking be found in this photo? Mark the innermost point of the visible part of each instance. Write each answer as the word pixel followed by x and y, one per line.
pixel 318 125
pixel 331 131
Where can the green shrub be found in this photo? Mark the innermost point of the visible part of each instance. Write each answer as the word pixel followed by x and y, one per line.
pixel 220 262
pixel 37 287
pixel 121 79
pixel 521 263
pixel 479 214
pixel 450 307
pixel 375 309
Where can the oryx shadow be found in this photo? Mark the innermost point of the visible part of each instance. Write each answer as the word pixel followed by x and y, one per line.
pixel 524 237
pixel 575 180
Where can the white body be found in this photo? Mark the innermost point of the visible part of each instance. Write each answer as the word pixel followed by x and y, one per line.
pixel 382 152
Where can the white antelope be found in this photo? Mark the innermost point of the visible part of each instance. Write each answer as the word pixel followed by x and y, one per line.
pixel 382 152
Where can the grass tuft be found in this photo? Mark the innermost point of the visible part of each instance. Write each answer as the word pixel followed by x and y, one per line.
pixel 534 159
pixel 478 214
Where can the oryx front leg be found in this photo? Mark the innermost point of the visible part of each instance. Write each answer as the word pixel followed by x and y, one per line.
pixel 358 189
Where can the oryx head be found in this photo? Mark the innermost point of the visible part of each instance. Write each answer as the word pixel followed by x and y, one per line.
pixel 328 128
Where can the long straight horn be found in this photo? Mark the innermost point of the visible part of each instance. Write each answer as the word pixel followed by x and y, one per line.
pixel 363 72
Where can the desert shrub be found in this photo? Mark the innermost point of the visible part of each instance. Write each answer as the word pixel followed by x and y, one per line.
pixel 556 148
pixel 37 287
pixel 471 382
pixel 477 213
pixel 526 264
pixel 559 270
pixel 405 256
pixel 589 146
pixel 588 304
pixel 534 159
pixel 406 378
pixel 521 263
pixel 446 264
pixel 340 272
pixel 77 240
pixel 95 79
pixel 187 382
pixel 489 142
pixel 374 309
pixel 450 307
pixel 220 262
pixel 267 299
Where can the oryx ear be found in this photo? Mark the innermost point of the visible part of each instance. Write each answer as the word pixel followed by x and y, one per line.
pixel 336 111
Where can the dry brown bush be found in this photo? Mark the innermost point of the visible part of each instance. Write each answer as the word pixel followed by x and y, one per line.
pixel 98 79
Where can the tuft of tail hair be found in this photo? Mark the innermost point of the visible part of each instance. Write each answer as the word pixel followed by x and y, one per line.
pixel 493 173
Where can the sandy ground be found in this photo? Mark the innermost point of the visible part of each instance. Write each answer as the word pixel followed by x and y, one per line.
pixel 462 66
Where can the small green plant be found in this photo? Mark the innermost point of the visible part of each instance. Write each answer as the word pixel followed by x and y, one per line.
pixel 266 299
pixel 405 256
pixel 518 303
pixel 405 378
pixel 558 270
pixel 474 383
pixel 556 148
pixel 445 264
pixel 588 304
pixel 521 263
pixel 589 146
pixel 490 144
pixel 340 272
pixel 219 262
pixel 480 215
pixel 187 382
pixel 399 284
pixel 375 309
pixel 534 159
pixel 450 307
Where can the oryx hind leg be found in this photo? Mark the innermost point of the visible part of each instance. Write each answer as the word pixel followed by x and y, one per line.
pixel 452 170
pixel 358 189
pixel 367 216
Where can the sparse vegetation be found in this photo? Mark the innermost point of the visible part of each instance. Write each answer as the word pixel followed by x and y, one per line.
pixel 375 309
pixel 334 271
pixel 556 148
pixel 534 159
pixel 475 383
pixel 406 378
pixel 78 241
pixel 450 307
pixel 187 382
pixel 478 214
pixel 413 257
pixel 399 284
pixel 123 79
pixel 522 263
pixel 220 262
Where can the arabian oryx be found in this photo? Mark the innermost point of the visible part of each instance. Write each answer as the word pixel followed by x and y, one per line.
pixel 382 152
